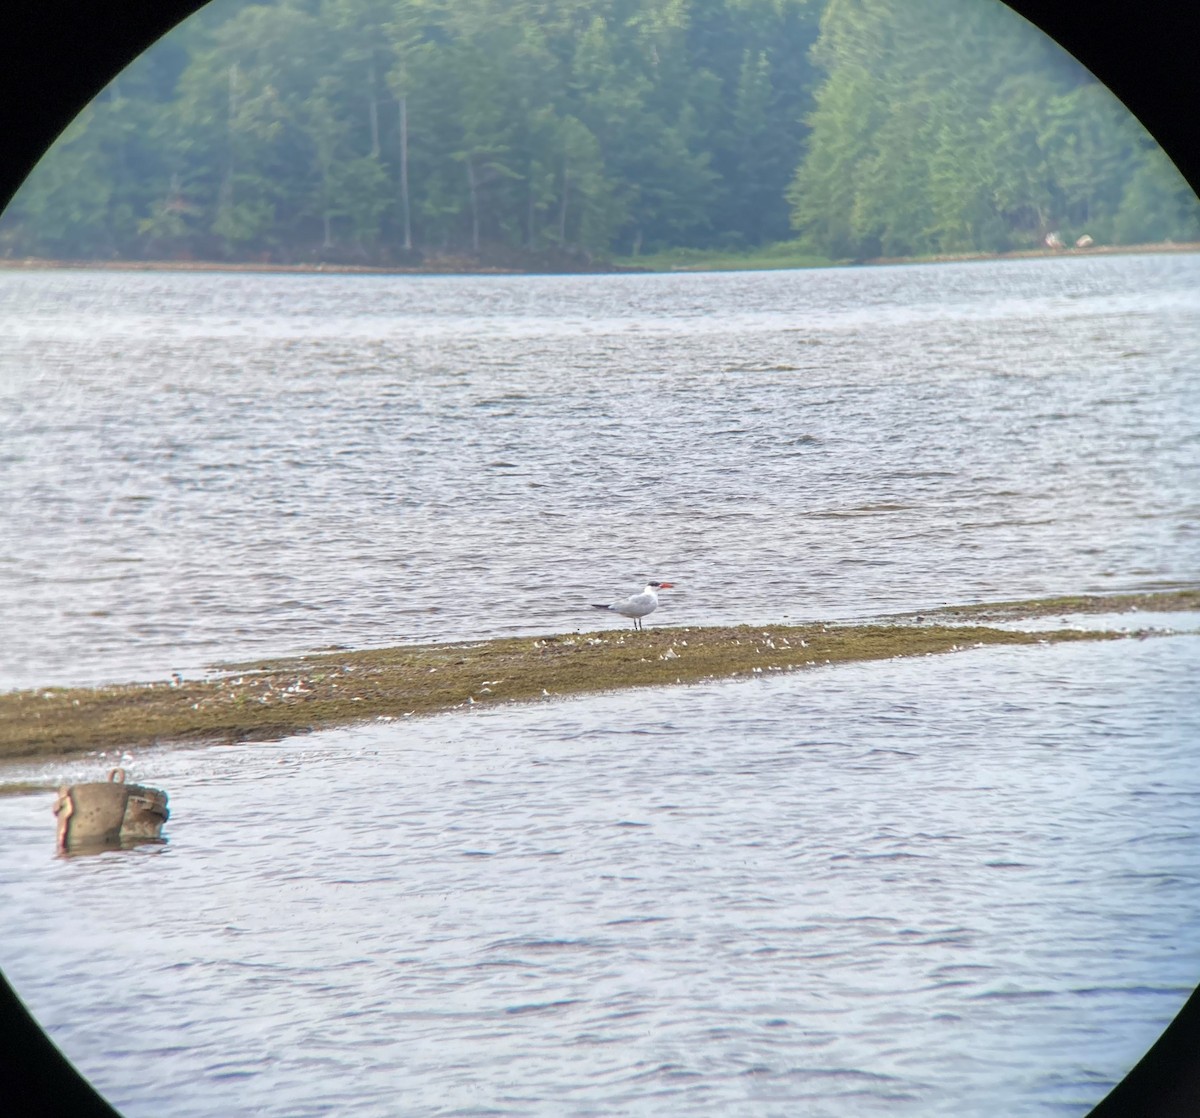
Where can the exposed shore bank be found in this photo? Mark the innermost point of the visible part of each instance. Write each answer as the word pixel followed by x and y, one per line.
pixel 270 699
pixel 431 266
pixel 684 261
pixel 780 257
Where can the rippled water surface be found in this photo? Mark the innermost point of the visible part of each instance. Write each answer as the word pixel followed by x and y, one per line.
pixel 965 885
pixel 960 885
pixel 197 467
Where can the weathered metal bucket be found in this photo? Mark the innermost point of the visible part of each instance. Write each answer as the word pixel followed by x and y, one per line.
pixel 145 813
pixel 109 814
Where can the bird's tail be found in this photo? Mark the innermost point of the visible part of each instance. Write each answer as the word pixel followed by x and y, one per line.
pixel 599 605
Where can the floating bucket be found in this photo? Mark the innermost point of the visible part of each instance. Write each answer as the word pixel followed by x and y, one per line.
pixel 109 814
pixel 145 813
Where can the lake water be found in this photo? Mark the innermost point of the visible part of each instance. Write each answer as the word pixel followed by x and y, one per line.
pixel 959 885
pixel 211 467
pixel 964 885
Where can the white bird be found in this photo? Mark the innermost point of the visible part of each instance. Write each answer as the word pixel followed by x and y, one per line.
pixel 637 606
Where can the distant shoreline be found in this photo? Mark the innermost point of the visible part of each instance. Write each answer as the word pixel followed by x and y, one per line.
pixel 1040 253
pixel 435 266
pixel 461 266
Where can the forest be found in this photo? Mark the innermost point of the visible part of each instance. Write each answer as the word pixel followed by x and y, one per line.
pixel 570 133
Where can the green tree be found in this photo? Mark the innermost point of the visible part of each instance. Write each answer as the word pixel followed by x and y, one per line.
pixel 943 126
pixel 1157 203
pixel 381 128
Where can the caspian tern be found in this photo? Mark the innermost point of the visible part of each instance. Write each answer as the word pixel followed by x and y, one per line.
pixel 637 606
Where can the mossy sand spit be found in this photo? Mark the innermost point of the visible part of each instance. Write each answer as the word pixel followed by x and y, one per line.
pixel 270 699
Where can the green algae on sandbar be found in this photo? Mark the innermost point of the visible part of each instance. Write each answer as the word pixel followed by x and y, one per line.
pixel 270 699
pixel 1183 600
